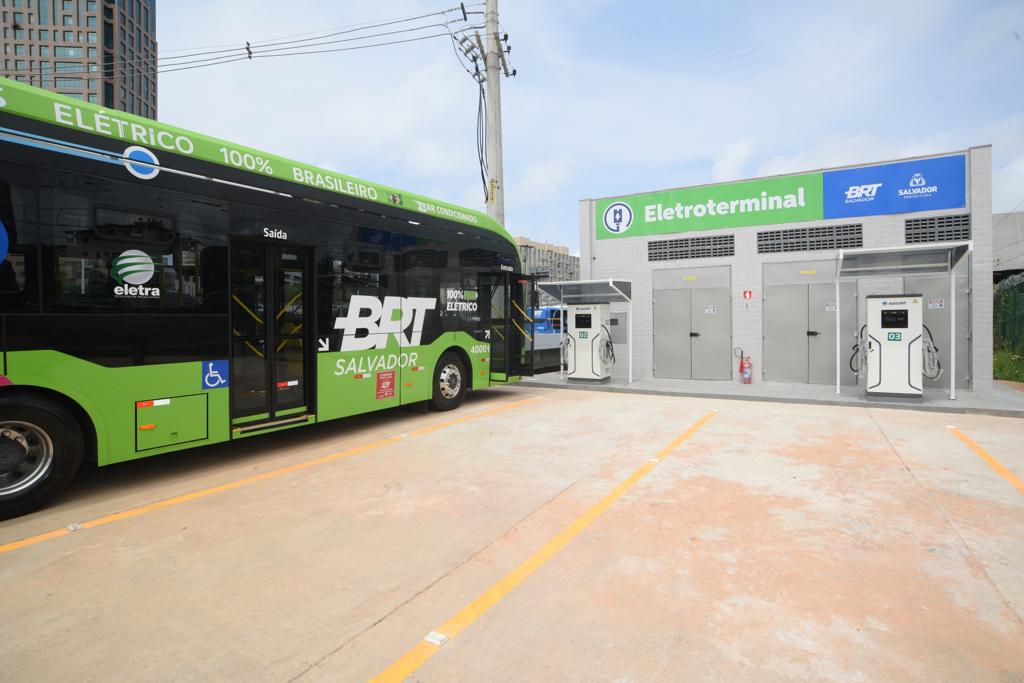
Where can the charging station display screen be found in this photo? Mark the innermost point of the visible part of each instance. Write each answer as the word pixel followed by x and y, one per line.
pixel 896 317
pixel 582 321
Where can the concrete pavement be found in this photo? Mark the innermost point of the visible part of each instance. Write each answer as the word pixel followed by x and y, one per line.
pixel 777 542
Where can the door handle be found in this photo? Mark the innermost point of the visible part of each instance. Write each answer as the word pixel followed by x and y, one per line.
pixel 813 333
pixel 695 334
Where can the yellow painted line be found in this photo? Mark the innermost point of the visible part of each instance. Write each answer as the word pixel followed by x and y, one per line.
pixel 418 655
pixel 256 478
pixel 999 468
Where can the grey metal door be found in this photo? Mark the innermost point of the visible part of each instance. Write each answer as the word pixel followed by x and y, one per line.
pixel 672 333
pixel 821 332
pixel 785 333
pixel 711 333
pixel 935 308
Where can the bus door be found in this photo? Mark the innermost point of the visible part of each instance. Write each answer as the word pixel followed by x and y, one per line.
pixel 270 378
pixel 510 328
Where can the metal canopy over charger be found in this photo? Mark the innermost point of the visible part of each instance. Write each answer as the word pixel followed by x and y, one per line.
pixel 583 292
pixel 912 259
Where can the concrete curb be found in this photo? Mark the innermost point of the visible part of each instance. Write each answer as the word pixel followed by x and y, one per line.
pixel 967 410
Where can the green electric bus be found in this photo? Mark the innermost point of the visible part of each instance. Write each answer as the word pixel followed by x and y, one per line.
pixel 162 289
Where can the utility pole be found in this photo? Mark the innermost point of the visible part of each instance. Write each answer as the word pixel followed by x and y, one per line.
pixel 493 59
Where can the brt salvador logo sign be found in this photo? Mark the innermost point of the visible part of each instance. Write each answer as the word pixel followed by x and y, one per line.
pixel 900 187
pixel 369 321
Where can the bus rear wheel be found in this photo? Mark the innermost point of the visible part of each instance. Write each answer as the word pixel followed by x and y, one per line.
pixel 41 450
pixel 450 382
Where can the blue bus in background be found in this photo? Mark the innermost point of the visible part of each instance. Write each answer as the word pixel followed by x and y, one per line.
pixel 546 320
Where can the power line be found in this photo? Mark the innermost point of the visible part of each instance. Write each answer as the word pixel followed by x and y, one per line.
pixel 152 69
pixel 347 40
pixel 316 34
pixel 354 47
pixel 310 52
pixel 228 60
pixel 151 65
pixel 355 30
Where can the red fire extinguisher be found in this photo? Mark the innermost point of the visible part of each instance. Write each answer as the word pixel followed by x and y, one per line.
pixel 746 367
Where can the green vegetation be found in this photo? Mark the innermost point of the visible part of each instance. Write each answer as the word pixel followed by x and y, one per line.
pixel 1008 360
pixel 1009 366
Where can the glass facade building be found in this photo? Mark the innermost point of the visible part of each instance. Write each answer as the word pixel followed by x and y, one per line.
pixel 101 51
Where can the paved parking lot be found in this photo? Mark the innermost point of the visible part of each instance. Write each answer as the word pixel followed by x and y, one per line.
pixel 540 534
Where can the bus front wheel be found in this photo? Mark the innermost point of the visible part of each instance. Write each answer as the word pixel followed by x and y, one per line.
pixel 41 449
pixel 450 382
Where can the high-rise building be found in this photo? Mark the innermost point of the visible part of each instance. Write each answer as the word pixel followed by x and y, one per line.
pixel 551 262
pixel 102 51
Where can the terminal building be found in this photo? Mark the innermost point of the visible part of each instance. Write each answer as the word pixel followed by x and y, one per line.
pixel 751 265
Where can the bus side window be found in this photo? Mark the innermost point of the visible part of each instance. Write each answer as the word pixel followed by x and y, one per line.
pixel 355 263
pixel 19 276
pixel 461 304
pixel 119 247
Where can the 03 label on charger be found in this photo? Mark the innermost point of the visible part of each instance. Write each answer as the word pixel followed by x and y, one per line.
pixel 894 336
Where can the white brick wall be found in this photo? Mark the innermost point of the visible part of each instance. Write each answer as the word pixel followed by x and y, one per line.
pixel 626 258
pixel 979 170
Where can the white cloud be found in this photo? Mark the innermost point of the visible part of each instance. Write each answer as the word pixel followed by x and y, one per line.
pixel 605 104
pixel 1007 137
pixel 731 163
pixel 542 181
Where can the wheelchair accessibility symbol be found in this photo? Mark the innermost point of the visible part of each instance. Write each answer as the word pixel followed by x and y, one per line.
pixel 215 374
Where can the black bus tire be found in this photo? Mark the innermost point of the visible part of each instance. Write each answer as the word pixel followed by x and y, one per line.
pixel 41 449
pixel 451 381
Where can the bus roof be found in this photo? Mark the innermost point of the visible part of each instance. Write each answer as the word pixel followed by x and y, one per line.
pixel 35 103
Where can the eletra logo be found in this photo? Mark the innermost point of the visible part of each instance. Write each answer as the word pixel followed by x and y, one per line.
pixel 618 217
pixel 130 270
pixel 132 266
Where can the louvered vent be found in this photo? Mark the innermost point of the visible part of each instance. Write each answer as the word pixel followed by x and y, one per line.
pixel 691 247
pixel 938 229
pixel 816 238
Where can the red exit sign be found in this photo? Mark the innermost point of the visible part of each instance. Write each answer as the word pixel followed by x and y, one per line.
pixel 748 294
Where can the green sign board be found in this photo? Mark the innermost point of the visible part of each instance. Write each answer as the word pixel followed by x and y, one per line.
pixel 159 138
pixel 786 199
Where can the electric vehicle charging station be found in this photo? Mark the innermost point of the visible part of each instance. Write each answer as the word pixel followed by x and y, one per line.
pixel 894 345
pixel 588 351
pixel 898 349
pixel 589 354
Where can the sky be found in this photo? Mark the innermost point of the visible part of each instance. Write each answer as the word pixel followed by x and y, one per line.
pixel 615 97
